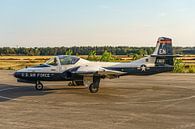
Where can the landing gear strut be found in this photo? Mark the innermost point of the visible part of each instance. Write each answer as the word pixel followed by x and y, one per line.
pixel 38 86
pixel 94 87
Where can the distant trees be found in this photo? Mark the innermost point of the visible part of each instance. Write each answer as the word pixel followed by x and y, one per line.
pixel 179 66
pixel 92 55
pixel 69 52
pixel 106 56
pixel 137 52
pixel 189 50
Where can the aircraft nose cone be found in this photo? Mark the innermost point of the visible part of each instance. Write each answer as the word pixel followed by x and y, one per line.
pixel 17 74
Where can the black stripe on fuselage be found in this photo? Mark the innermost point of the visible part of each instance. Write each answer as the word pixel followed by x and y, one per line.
pixel 140 71
pixel 33 77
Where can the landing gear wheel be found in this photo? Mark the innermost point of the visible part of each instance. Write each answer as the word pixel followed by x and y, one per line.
pixel 93 89
pixel 39 86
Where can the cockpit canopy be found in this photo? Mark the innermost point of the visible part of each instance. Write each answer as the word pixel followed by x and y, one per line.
pixel 63 60
pixel 66 60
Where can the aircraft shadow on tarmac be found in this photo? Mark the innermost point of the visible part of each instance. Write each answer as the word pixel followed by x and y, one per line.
pixel 12 92
pixel 66 88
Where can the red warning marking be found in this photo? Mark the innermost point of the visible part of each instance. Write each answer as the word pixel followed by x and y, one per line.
pixel 165 41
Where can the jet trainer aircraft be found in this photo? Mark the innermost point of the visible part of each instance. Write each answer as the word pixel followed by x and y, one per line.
pixel 89 73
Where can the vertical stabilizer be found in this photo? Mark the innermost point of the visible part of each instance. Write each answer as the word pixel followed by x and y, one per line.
pixel 164 51
pixel 163 46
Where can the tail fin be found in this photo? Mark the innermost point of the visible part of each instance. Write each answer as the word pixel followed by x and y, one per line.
pixel 164 51
pixel 163 46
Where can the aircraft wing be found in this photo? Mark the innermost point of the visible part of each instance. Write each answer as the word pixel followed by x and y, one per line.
pixel 90 70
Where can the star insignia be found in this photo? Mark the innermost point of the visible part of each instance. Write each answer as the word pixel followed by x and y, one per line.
pixel 143 68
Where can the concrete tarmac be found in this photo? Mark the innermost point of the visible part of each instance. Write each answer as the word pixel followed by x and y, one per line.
pixel 163 101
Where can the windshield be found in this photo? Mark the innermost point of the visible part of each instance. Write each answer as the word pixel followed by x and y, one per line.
pixel 53 61
pixel 66 60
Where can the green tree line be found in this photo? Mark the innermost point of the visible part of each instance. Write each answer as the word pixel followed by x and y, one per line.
pixel 120 50
pixel 75 50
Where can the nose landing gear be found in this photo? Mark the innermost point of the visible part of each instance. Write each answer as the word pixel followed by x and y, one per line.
pixel 39 86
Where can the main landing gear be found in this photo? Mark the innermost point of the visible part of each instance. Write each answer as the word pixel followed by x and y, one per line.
pixel 39 86
pixel 91 82
pixel 94 86
pixel 93 89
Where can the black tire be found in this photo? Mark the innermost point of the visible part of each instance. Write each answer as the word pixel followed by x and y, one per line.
pixel 93 89
pixel 39 86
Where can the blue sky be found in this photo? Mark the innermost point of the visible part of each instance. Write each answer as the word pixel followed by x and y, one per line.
pixel 43 23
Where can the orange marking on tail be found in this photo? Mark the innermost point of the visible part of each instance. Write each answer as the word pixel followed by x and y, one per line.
pixel 165 42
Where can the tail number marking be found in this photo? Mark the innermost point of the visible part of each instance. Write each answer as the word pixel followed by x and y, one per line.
pixel 162 51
